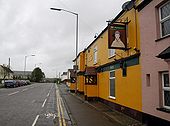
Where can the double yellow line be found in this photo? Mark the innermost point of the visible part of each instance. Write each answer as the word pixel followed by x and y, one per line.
pixel 61 119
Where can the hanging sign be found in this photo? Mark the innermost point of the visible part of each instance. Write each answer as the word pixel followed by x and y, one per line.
pixel 117 37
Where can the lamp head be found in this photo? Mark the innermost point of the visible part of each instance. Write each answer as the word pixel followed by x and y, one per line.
pixel 56 9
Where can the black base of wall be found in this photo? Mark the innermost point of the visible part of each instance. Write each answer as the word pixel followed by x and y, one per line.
pixel 150 120
pixel 146 119
pixel 80 92
pixel 72 91
pixel 90 98
pixel 128 111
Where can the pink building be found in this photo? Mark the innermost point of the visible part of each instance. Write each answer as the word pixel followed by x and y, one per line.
pixel 154 19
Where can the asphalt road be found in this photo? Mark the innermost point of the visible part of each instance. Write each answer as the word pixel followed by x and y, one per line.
pixel 32 105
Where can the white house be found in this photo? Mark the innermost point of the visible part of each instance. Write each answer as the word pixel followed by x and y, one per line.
pixel 5 73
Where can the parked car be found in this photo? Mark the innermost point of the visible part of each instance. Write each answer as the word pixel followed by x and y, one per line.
pixel 28 82
pixel 19 83
pixel 10 83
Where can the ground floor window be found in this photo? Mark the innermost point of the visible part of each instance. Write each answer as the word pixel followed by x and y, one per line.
pixel 112 85
pixel 166 90
pixel 91 79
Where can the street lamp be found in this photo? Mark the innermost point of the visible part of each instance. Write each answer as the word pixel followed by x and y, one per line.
pixel 26 62
pixel 57 9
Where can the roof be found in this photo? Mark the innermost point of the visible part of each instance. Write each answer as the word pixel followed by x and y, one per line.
pixel 7 69
pixel 90 71
pixel 143 4
pixel 22 72
pixel 79 55
pixel 165 54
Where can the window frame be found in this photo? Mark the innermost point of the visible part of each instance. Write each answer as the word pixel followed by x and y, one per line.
pixel 164 89
pixel 114 77
pixel 95 55
pixel 111 54
pixel 163 20
pixel 93 82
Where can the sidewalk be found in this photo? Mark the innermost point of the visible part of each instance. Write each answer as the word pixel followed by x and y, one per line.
pixel 112 115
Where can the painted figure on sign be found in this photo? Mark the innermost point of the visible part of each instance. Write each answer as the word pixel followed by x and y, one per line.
pixel 117 42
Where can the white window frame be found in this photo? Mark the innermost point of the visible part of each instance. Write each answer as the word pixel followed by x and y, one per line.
pixel 112 97
pixel 164 89
pixel 95 54
pixel 163 20
pixel 112 52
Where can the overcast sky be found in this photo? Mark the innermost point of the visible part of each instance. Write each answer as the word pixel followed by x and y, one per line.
pixel 29 27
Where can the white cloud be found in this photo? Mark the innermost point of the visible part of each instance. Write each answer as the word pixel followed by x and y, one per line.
pixel 30 27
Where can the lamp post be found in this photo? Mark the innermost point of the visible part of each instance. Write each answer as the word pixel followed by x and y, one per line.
pixel 25 63
pixel 57 9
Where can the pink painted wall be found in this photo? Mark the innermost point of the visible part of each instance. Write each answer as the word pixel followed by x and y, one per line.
pixel 151 98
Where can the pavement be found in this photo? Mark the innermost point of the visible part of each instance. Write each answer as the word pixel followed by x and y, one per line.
pixel 96 113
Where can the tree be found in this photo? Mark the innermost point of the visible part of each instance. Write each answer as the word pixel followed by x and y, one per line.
pixel 37 75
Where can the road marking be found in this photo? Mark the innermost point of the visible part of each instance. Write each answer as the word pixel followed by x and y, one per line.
pixel 48 94
pixel 13 93
pixel 35 121
pixel 33 101
pixel 62 113
pixel 60 105
pixel 59 114
pixel 25 89
pixel 44 103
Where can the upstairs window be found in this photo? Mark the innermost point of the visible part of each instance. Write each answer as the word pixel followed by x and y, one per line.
pixel 166 90
pixel 95 54
pixel 111 52
pixel 164 13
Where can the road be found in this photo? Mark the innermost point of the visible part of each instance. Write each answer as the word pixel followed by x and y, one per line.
pixel 29 105
pixel 46 104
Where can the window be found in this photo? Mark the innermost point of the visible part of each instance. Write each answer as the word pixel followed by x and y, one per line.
pixel 112 85
pixel 164 12
pixel 91 79
pixel 111 52
pixel 95 54
pixel 148 83
pixel 166 90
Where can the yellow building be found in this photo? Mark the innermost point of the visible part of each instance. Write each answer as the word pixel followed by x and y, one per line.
pixel 71 80
pixel 80 72
pixel 114 75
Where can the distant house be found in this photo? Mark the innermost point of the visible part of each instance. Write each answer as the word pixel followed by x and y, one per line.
pixel 5 73
pixel 64 77
pixel 22 74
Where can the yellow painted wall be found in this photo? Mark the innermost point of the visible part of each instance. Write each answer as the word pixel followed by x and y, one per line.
pixel 81 67
pixel 102 51
pixel 80 83
pixel 102 42
pixel 91 90
pixel 72 86
pixel 127 89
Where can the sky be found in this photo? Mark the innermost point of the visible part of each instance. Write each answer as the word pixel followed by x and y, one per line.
pixel 29 27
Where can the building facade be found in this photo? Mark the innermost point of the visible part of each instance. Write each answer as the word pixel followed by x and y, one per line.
pixel 5 73
pixel 127 65
pixel 154 18
pixel 21 75
pixel 115 74
pixel 80 72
